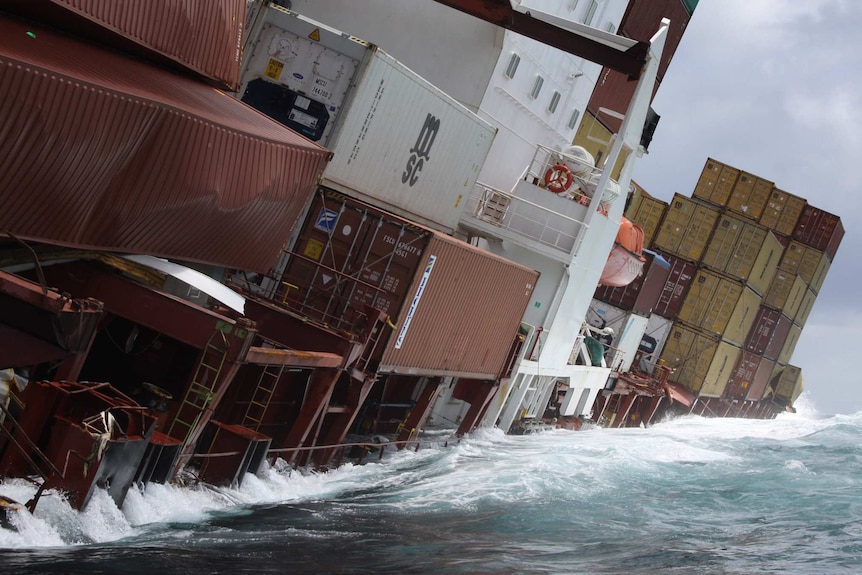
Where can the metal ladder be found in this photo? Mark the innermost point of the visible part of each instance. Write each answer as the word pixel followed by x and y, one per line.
pixel 200 391
pixel 262 396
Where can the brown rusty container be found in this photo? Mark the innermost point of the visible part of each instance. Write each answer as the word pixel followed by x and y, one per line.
pixel 643 294
pixel 720 305
pixel 785 294
pixel 749 196
pixel 647 212
pixel 760 381
pixel 675 288
pixel 348 255
pixel 699 360
pixel 742 377
pixel 768 333
pixel 782 211
pixel 464 309
pixel 716 183
pixel 686 228
pixel 201 36
pixel 112 154
pixel 805 261
pixel 820 230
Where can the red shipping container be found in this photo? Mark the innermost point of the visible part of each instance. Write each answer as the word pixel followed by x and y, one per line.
pixel 642 295
pixel 676 287
pixel 742 376
pixel 819 229
pixel 768 333
pixel 201 36
pixel 761 378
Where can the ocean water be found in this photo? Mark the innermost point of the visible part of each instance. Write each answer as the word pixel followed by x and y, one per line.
pixel 691 495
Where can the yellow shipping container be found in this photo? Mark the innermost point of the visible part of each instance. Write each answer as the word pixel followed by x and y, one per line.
pixel 786 293
pixel 790 344
pixel 720 305
pixel 805 306
pixel 716 183
pixel 782 211
pixel 744 250
pixel 686 228
pixel 820 273
pixel 699 360
pixel 802 260
pixel 766 264
pixel 647 212
pixel 749 196
pixel 787 382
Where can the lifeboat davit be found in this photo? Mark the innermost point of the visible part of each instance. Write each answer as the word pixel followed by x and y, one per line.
pixel 625 261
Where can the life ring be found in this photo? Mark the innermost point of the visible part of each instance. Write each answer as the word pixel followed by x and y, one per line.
pixel 559 178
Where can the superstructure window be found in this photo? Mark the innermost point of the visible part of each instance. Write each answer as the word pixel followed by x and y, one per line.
pixel 555 100
pixel 537 87
pixel 513 66
pixel 572 5
pixel 591 12
pixel 573 120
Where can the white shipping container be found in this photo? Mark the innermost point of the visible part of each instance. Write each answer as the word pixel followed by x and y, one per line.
pixel 652 342
pixel 398 142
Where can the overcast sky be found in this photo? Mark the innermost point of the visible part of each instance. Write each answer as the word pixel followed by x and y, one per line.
pixel 774 87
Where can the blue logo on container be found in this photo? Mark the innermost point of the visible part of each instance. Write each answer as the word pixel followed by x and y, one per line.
pixel 298 76
pixel 326 220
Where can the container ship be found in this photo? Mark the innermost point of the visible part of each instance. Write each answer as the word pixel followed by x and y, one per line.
pixel 248 236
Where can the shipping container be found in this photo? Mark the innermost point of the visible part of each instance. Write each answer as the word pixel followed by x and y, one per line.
pixel 805 307
pixel 652 343
pixel 802 260
pixel 720 305
pixel 349 254
pixel 398 142
pixel 760 383
pixel 782 211
pixel 699 360
pixel 110 153
pixel 743 250
pixel 820 273
pixel 465 308
pixel 749 196
pixel 742 377
pixel 820 230
pixel 647 212
pixel 716 183
pixel 643 293
pixel 201 36
pixel 787 383
pixel 790 344
pixel 786 293
pixel 686 228
pixel 768 333
pixel 675 288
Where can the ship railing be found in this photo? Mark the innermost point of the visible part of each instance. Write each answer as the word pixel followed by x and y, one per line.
pixel 585 176
pixel 533 221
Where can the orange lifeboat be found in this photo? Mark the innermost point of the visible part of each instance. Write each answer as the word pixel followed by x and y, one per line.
pixel 625 261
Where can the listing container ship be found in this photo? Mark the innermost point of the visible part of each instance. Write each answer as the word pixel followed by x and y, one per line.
pixel 270 239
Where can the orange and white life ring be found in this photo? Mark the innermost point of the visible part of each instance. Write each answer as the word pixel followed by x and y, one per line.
pixel 559 178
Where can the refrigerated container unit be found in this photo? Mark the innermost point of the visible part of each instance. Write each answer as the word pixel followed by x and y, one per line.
pixel 720 305
pixel 686 228
pixel 786 293
pixel 820 230
pixel 652 343
pixel 749 196
pixel 642 294
pixel 699 360
pixel 398 142
pixel 647 212
pixel 782 211
pixel 203 37
pixel 743 250
pixel 715 183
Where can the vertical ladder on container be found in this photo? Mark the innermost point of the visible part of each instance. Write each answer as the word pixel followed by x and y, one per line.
pixel 262 396
pixel 200 391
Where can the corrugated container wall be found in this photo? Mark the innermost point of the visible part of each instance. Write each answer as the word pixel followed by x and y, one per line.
pixel 398 141
pixel 700 360
pixel 768 333
pixel 805 307
pixel 720 369
pixel 788 383
pixel 743 250
pixel 715 183
pixel 790 344
pixel 653 342
pixel 720 305
pixel 782 211
pixel 201 36
pixel 786 293
pixel 819 229
pixel 742 377
pixel 820 273
pixel 647 212
pixel 463 317
pixel 349 255
pixel 641 295
pixel 110 153
pixel 749 196
pixel 676 287
pixel 686 228
pixel 761 380
pixel 802 260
